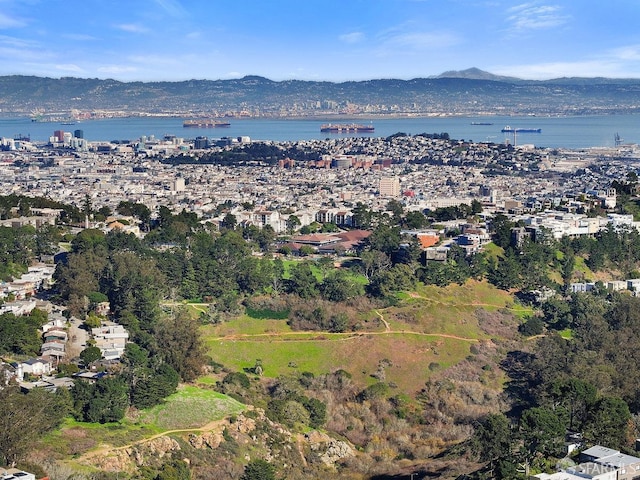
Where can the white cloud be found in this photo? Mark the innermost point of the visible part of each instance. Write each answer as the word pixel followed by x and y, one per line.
pixel 132 28
pixel 424 40
pixel 627 53
pixel 116 69
pixel 68 67
pixel 587 68
pixel 18 50
pixel 621 62
pixel 16 42
pixel 353 37
pixel 172 7
pixel 10 22
pixel 80 37
pixel 531 16
pixel 156 60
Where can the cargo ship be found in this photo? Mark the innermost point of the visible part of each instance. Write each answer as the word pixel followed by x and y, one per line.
pixel 205 124
pixel 509 129
pixel 481 123
pixel 346 128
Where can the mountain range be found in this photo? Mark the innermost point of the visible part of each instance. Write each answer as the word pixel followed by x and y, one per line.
pixel 466 92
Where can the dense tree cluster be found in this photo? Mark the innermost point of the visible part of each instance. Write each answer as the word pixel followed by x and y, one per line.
pixel 26 417
pixel 587 384
pixel 20 335
pixel 19 205
pixel 254 152
pixel 19 247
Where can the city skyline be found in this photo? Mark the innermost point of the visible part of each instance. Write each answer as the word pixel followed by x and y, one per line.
pixel 328 40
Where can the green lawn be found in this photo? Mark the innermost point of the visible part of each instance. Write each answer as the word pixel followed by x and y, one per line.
pixel 409 353
pixel 191 407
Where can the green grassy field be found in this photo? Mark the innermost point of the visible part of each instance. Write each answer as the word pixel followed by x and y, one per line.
pixel 409 353
pixel 432 325
pixel 189 408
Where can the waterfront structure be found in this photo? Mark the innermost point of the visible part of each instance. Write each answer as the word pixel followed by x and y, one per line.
pixel 346 128
pixel 203 123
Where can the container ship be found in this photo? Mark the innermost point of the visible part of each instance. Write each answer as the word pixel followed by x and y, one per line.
pixel 508 129
pixel 205 124
pixel 346 128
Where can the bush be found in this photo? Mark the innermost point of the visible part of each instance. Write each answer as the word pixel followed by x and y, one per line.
pixel 237 378
pixel 372 392
pixel 533 326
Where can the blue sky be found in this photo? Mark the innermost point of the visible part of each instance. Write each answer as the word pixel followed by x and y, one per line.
pixel 334 40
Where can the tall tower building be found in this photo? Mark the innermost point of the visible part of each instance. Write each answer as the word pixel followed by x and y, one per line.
pixel 389 187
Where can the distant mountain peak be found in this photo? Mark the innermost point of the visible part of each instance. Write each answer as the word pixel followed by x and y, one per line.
pixel 475 74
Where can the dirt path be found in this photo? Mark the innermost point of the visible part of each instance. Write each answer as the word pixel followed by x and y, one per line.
pixel 106 449
pixel 387 328
pixel 472 304
pixel 319 336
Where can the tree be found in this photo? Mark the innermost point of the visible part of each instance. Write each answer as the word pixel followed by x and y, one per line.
pixel 306 250
pixel 542 431
pixel 533 326
pixel 90 355
pixel 385 239
pixel 259 470
pixel 154 386
pixel 362 216
pixel 373 261
pixel 577 396
pixel 24 418
pixel 398 278
pixel 501 228
pixel 492 438
pixel 102 402
pixel 277 275
pixel 608 422
pixel 506 274
pixel 397 209
pixel 317 411
pixel 339 286
pixel 293 222
pixel 18 335
pixel 476 207
pixel 229 222
pixel 415 220
pixel 303 282
pixel 180 345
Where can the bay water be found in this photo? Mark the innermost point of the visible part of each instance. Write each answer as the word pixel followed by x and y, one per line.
pixel 573 132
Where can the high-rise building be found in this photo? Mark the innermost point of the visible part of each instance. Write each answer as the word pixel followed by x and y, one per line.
pixel 78 133
pixel 200 143
pixel 178 185
pixel 389 187
pixel 58 135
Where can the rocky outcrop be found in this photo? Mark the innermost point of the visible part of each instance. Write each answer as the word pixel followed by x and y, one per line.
pixel 326 449
pixel 157 448
pixel 114 461
pixel 207 440
pixel 314 447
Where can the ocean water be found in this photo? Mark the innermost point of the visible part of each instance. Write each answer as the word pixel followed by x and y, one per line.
pixel 557 132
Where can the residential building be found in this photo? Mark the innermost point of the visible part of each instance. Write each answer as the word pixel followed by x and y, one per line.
pixel 389 187
pixel 15 474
